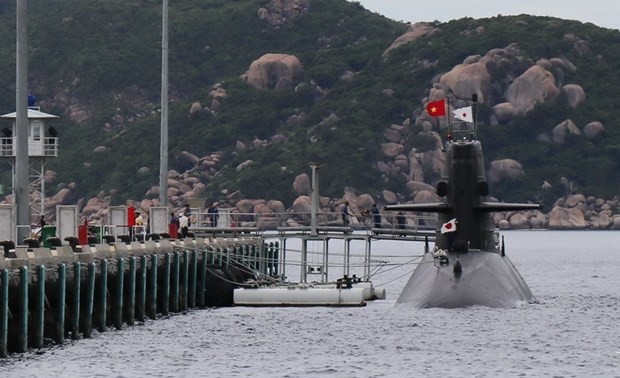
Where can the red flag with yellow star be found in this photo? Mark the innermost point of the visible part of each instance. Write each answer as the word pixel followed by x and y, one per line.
pixel 436 108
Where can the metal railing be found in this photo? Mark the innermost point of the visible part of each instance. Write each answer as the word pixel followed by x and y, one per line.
pixel 248 222
pixel 46 146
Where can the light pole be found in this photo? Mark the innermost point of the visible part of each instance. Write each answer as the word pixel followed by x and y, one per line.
pixel 163 146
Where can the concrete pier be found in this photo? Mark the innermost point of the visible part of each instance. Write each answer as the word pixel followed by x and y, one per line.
pixel 50 294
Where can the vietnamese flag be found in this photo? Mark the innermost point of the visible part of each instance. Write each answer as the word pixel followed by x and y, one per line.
pixel 436 108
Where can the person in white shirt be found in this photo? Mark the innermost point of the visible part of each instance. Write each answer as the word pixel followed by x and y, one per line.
pixel 183 225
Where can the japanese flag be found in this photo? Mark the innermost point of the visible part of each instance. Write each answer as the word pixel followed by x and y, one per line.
pixel 449 226
pixel 464 114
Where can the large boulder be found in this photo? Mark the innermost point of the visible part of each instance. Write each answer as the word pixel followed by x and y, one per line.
pixel 533 86
pixel 562 218
pixel 560 132
pixel 574 94
pixel 415 31
pixel 467 79
pixel 593 129
pixel 274 70
pixel 504 169
pixel 302 185
pixel 282 12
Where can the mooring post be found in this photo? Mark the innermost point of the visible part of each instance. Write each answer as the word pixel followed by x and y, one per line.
pixel 90 299
pixel 131 300
pixel 4 312
pixel 22 336
pixel 118 302
pixel 102 306
pixel 75 313
pixel 62 295
pixel 40 304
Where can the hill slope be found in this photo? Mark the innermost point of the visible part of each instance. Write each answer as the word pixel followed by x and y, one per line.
pixel 97 65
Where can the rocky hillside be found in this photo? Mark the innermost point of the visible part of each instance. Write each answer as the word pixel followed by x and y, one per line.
pixel 259 89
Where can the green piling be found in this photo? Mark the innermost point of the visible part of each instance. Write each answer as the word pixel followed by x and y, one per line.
pixel 4 312
pixel 131 300
pixel 118 301
pixel 174 290
pixel 75 313
pixel 40 305
pixel 202 279
pixel 185 281
pixel 90 299
pixel 152 308
pixel 62 295
pixel 165 300
pixel 192 279
pixel 102 306
pixel 141 291
pixel 22 334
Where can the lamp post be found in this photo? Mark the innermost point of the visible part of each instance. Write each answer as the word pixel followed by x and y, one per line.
pixel 163 147
pixel 21 192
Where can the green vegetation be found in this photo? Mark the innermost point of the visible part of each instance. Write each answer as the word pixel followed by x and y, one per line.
pixel 103 57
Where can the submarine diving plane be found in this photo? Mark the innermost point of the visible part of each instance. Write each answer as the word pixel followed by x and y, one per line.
pixel 468 265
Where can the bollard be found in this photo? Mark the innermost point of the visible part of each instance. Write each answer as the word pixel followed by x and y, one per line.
pixel 103 293
pixel 193 270
pixel 165 300
pixel 40 304
pixel 131 300
pixel 4 312
pixel 118 302
pixel 90 300
pixel 141 291
pixel 152 309
pixel 62 296
pixel 174 290
pixel 75 314
pixel 22 334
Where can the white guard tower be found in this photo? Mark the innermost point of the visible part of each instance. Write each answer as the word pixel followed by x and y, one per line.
pixel 42 146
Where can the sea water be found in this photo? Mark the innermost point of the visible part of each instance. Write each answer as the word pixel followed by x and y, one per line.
pixel 573 330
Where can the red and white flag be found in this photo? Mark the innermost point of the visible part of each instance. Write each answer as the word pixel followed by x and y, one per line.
pixel 449 226
pixel 464 114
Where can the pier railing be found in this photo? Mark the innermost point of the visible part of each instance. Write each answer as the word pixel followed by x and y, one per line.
pixel 238 223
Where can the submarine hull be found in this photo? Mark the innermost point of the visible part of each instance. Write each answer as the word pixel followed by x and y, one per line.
pixel 481 278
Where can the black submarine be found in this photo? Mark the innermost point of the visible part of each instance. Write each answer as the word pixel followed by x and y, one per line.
pixel 468 266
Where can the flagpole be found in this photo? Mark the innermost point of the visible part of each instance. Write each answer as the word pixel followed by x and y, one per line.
pixel 474 111
pixel 449 118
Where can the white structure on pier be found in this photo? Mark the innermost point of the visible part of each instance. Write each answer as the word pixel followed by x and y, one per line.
pixel 42 146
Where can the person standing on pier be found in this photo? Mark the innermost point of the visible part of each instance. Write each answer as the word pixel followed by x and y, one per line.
pixel 188 213
pixel 376 215
pixel 184 225
pixel 213 215
pixel 346 215
pixel 139 224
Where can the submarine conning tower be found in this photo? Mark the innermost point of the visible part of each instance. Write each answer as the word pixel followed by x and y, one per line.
pixel 465 187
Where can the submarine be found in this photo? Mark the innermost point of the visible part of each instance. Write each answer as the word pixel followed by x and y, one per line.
pixel 468 265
